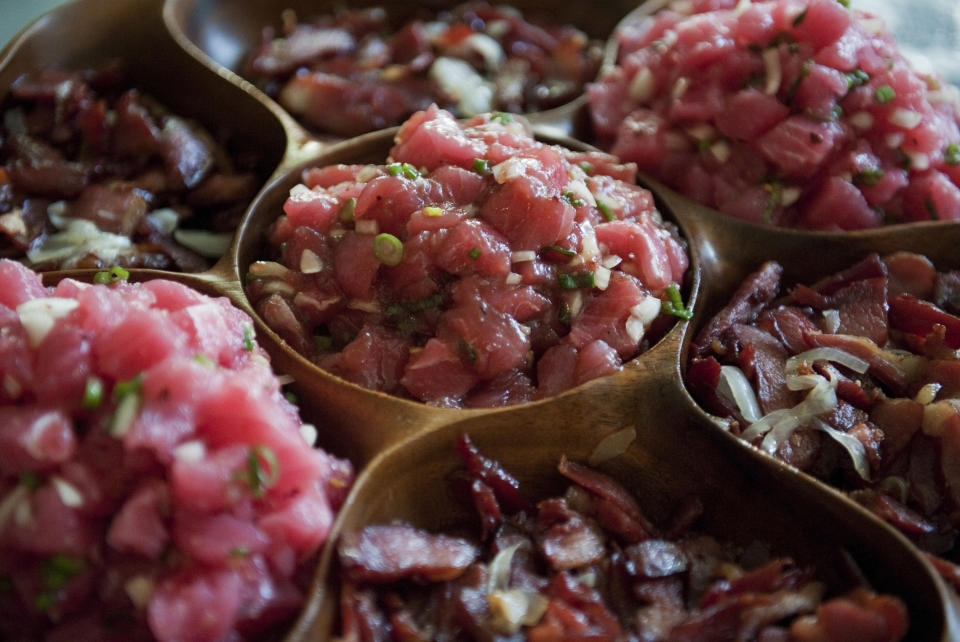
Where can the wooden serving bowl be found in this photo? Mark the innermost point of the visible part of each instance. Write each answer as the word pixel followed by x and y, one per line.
pixel 401 447
pixel 222 33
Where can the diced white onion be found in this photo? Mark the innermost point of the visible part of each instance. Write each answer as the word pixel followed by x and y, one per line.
pixel 12 222
pixel 499 571
pixel 372 306
pixel 513 168
pixel 647 310
pixel 588 245
pixel 139 589
pixel 11 386
pixel 684 7
pixel 601 277
pixel 733 385
pixel 613 445
pixel 366 226
pixel 190 451
pixel 523 256
pixel 38 316
pixel 918 161
pixel 611 261
pixel 831 321
pixel 310 263
pixel 827 354
pixel 23 513
pixel 303 300
pixel 515 608
pixel 643 86
pixel 309 433
pixel 721 150
pixel 851 444
pixel 300 192
pixel 125 415
pixel 514 279
pixel 580 190
pixel 894 140
pixel 19 494
pixel 680 87
pixel 285 379
pixel 488 48
pixel 367 173
pixel 268 269
pixel 928 393
pixel 458 79
pixel 701 131
pixel 789 196
pixel 872 25
pixel 741 7
pixel 771 67
pixel 861 120
pixel 68 493
pixel 278 287
pixel 165 220
pixel 79 239
pixel 574 301
pixel 207 244
pixel 906 118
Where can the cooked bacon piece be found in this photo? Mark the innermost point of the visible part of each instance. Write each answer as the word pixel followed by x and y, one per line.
pixel 754 293
pixel 893 511
pixel 910 314
pixel 490 472
pixel 388 553
pixel 862 615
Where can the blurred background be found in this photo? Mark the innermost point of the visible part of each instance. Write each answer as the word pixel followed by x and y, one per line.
pixel 928 30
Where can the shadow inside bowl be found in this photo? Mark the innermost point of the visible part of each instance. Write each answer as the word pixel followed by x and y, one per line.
pixel 672 458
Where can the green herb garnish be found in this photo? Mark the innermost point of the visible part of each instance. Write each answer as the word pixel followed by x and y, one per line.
pixel 261 472
pixel 113 275
pixel 571 198
pixel 92 393
pixel 388 249
pixel 582 280
pixel 248 336
pixel 605 211
pixel 474 253
pixel 674 303
pixel 868 178
pixel 951 155
pixel 346 210
pixel 884 94
pixel 481 166
pixel 502 118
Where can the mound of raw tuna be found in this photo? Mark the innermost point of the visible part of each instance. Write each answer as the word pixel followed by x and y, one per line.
pixel 154 481
pixel 797 113
pixel 855 379
pixel 479 267
pixel 587 565
pixel 355 71
pixel 95 173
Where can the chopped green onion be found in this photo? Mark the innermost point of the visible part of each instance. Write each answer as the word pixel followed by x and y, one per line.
pixel 565 314
pixel 432 212
pixel 248 336
pixel 114 275
pixel 905 161
pixel 951 155
pixel 586 167
pixel 836 112
pixel 502 118
pixel 481 166
pixel 60 569
pixel 291 396
pixel 346 210
pixel 884 94
pixel 606 211
pixel 92 393
pixel 127 387
pixel 704 144
pixel 674 303
pixel 931 208
pixel 474 253
pixel 571 198
pixel 261 472
pixel 43 601
pixel 576 281
pixel 388 249
pixel 424 304
pixel 775 190
pixel 29 480
pixel 323 342
pixel 562 251
pixel 868 178
pixel 410 171
pixel 468 351
pixel 239 552
pixel 799 19
pixel 857 78
pixel 204 360
pixel 394 169
pixel 795 85
pixel 845 3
